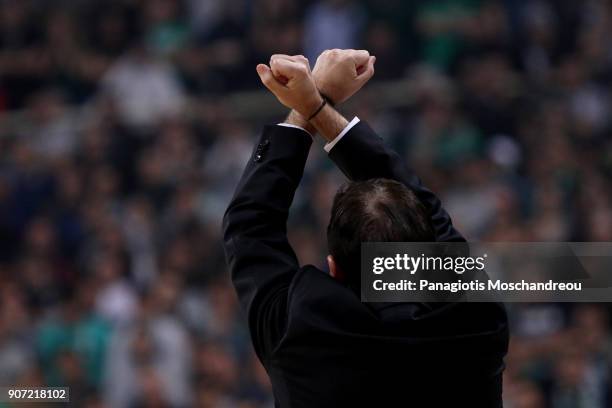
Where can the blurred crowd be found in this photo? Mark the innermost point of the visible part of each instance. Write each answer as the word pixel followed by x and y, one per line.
pixel 121 154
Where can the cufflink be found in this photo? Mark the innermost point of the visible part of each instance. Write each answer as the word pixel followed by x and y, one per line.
pixel 260 151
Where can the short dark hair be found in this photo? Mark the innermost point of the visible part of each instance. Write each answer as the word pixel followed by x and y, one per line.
pixel 376 210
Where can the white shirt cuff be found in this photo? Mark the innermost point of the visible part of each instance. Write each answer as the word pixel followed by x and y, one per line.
pixel 348 127
pixel 295 127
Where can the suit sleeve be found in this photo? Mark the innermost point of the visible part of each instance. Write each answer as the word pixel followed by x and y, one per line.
pixel 362 155
pixel 261 261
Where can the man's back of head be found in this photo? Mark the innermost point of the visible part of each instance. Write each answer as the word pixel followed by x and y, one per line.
pixel 375 210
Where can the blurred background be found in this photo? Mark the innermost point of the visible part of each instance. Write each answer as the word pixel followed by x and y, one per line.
pixel 125 124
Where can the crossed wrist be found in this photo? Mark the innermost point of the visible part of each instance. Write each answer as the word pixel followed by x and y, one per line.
pixel 327 99
pixel 313 107
pixel 325 94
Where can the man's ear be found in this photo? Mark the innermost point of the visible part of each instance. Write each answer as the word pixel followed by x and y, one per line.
pixel 334 269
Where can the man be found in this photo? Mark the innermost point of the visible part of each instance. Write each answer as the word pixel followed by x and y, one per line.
pixel 321 346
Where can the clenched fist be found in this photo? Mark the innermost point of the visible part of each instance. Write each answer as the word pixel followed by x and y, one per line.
pixel 340 73
pixel 290 80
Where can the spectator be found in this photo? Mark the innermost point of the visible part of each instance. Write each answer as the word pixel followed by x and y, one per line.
pixel 143 89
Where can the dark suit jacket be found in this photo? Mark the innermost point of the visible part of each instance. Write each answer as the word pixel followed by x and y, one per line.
pixel 323 347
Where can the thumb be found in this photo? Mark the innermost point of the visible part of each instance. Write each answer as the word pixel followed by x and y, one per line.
pixel 267 78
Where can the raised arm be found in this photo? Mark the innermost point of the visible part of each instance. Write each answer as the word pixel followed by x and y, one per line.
pixel 356 148
pixel 261 261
